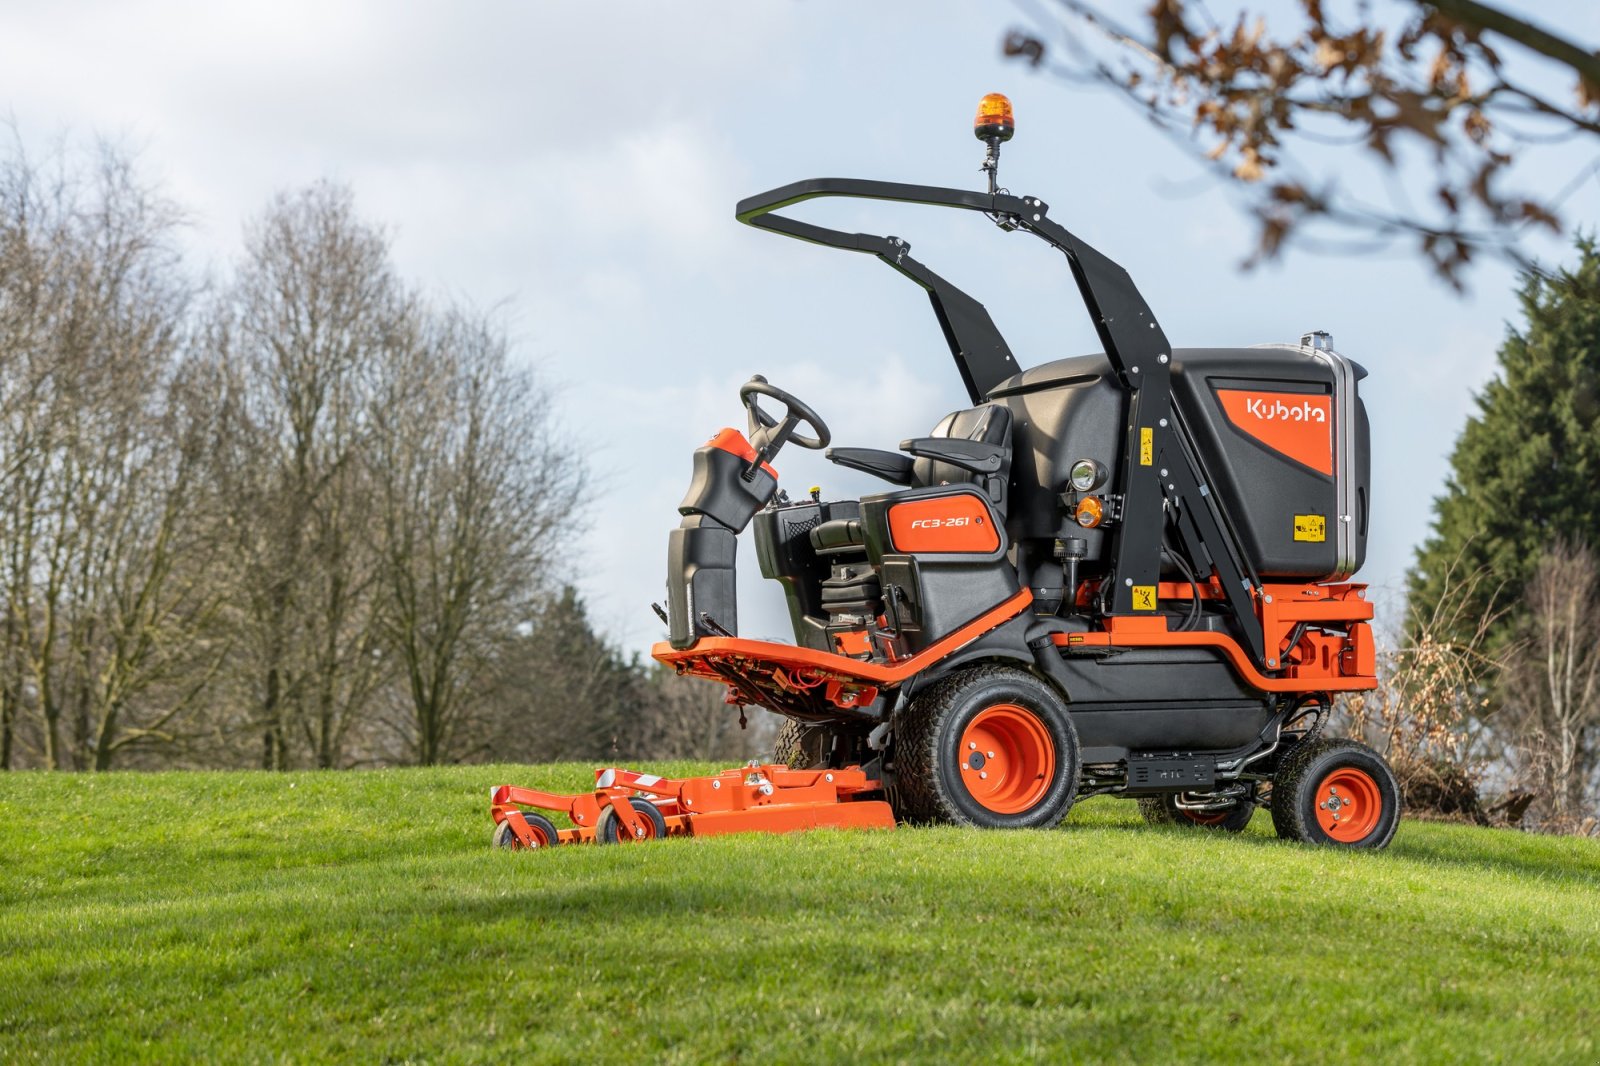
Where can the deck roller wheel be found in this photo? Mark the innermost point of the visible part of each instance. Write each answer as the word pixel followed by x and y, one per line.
pixel 1338 792
pixel 1164 810
pixel 544 832
pixel 610 830
pixel 988 746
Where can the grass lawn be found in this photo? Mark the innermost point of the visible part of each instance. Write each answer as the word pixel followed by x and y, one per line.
pixel 363 916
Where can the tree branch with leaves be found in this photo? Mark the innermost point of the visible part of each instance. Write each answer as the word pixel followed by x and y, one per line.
pixel 1277 110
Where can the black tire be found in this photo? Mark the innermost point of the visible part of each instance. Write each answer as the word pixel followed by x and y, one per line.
pixel 506 837
pixel 607 832
pixel 930 773
pixel 802 745
pixel 1164 810
pixel 1309 780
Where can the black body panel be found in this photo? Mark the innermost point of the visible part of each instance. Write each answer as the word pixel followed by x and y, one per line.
pixel 1170 774
pixel 1261 489
pixel 1167 699
pixel 1075 411
pixel 1109 731
pixel 724 493
pixel 700 581
pixel 785 551
pixel 947 590
pixel 724 488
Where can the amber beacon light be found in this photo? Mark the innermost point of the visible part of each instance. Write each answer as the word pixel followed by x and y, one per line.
pixel 994 121
pixel 994 126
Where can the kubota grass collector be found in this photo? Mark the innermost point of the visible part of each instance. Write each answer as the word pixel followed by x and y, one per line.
pixel 1115 574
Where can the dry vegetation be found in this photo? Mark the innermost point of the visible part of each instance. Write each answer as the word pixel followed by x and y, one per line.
pixel 1500 733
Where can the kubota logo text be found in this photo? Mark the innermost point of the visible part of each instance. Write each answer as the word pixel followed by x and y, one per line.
pixel 1278 411
pixel 1294 424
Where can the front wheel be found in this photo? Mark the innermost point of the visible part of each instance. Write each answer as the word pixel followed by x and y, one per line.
pixel 990 746
pixel 1338 792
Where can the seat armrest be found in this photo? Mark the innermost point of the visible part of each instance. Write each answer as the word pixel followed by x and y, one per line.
pixel 975 456
pixel 890 466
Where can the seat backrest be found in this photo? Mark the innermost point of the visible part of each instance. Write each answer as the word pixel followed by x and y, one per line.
pixel 990 423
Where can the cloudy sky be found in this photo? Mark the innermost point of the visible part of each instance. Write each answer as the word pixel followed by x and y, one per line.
pixel 578 164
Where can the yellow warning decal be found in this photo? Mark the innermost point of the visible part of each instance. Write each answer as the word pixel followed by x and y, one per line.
pixel 1147 447
pixel 1310 527
pixel 1144 597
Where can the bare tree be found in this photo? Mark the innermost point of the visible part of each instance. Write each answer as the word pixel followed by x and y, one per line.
pixel 92 306
pixel 1269 107
pixel 476 490
pixel 298 340
pixel 1427 714
pixel 312 510
pixel 1551 686
pixel 687 718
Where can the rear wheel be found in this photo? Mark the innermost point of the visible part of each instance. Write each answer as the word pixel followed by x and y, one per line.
pixel 1164 810
pixel 1338 792
pixel 989 746
pixel 544 832
pixel 654 827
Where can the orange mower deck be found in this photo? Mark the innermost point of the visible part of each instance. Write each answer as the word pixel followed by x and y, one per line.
pixel 757 798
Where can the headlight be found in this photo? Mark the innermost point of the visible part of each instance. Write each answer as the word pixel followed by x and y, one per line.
pixel 1085 475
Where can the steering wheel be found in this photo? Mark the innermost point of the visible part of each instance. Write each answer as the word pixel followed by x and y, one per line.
pixel 768 434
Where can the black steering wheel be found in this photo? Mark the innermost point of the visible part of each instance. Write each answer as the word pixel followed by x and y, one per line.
pixel 768 434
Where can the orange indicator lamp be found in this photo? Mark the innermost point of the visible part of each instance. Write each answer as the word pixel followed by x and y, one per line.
pixel 994 121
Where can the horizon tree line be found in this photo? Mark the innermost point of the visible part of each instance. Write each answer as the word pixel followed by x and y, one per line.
pixel 306 515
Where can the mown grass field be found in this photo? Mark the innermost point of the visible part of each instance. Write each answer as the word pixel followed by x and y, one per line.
pixel 363 917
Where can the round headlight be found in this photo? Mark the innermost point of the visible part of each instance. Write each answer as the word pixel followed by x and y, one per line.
pixel 1085 475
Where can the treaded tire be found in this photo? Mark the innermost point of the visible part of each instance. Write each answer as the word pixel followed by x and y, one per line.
pixel 801 745
pixel 506 837
pixel 1299 786
pixel 928 762
pixel 1164 810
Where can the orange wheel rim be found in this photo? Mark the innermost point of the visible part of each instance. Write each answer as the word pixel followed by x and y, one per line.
pixel 1348 804
pixel 1008 758
pixel 1205 817
pixel 540 838
pixel 625 836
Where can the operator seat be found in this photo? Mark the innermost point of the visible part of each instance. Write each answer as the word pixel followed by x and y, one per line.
pixel 971 446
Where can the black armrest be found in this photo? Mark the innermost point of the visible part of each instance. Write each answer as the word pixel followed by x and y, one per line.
pixel 971 455
pixel 891 466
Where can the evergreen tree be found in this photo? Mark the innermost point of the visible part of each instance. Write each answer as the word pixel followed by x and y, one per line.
pixel 1526 469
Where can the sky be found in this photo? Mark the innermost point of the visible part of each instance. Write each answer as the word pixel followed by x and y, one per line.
pixel 577 165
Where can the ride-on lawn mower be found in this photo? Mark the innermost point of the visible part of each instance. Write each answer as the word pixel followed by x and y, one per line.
pixel 1117 574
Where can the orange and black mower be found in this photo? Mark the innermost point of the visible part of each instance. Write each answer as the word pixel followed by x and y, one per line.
pixel 1125 573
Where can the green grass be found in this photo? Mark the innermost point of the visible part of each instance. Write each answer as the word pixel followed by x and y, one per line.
pixel 362 916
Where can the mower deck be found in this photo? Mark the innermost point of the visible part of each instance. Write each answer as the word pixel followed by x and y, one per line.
pixel 630 806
